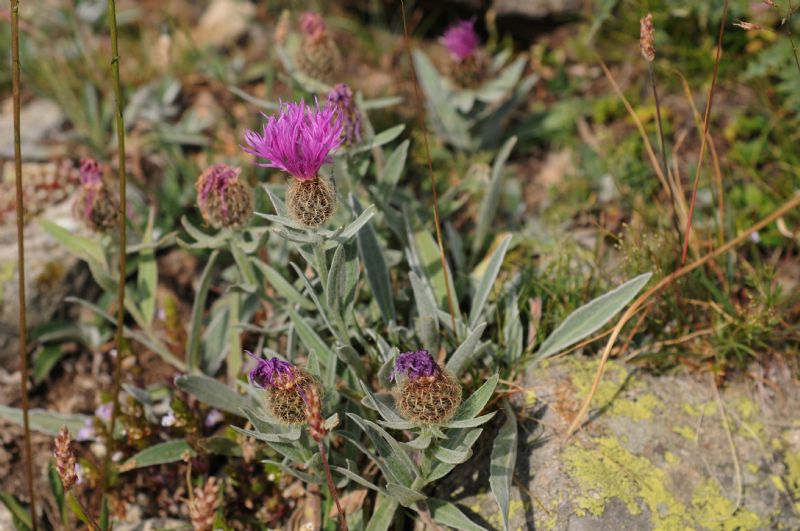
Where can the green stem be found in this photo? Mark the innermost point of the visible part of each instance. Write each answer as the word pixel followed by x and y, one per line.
pixel 23 323
pixel 322 263
pixel 120 125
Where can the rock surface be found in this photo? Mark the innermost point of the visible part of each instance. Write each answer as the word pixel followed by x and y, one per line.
pixel 536 8
pixel 51 273
pixel 659 453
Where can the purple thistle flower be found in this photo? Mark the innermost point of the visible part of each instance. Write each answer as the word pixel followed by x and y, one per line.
pixel 216 178
pixel 415 365
pixel 312 24
pixel 341 97
pixel 299 140
pixel 270 373
pixel 91 182
pixel 460 39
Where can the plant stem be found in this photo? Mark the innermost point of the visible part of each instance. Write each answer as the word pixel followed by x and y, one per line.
pixel 670 189
pixel 319 255
pixel 23 322
pixel 332 486
pixel 424 129
pixel 706 121
pixel 90 522
pixel 112 25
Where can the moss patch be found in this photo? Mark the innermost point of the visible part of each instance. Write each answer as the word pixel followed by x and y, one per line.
pixel 712 510
pixel 608 395
pixel 607 470
pixel 687 432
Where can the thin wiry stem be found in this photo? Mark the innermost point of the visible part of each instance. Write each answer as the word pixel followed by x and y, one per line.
pixel 423 127
pixel 112 25
pixel 789 34
pixel 23 322
pixel 662 145
pixel 706 121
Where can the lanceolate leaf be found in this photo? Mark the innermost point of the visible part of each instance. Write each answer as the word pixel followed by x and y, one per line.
pixel 463 354
pixel 590 317
pixel 487 279
pixel 504 456
pixel 47 422
pixel 448 514
pixel 490 200
pixel 375 264
pixel 474 404
pixel 196 324
pixel 212 392
pixel 166 452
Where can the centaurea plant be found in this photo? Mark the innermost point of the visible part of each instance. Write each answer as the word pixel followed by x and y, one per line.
pixel 299 140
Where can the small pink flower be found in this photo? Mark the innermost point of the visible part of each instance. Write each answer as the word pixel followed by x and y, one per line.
pixel 460 39
pixel 341 97
pixel 299 140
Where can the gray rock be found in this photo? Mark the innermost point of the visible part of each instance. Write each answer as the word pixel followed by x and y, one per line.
pixel 39 119
pixel 536 8
pixel 655 454
pixel 51 273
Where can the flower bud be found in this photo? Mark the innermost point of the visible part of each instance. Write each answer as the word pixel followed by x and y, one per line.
pixel 425 394
pixel 341 97
pixel 95 205
pixel 318 56
pixel 225 201
pixel 293 395
pixel 311 201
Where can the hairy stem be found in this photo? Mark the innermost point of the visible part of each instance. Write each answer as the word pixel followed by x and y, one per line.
pixel 23 322
pixel 120 125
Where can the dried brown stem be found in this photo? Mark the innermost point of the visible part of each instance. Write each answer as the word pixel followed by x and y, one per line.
pixel 23 322
pixel 703 142
pixel 424 129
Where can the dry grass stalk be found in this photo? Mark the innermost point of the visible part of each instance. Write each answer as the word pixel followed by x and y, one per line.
pixel 23 324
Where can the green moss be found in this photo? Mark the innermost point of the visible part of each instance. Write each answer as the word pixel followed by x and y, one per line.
pixel 687 432
pixel 712 510
pixel 706 409
pixel 582 374
pixel 608 470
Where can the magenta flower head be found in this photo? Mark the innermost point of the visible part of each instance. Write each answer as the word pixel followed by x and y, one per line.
pixel 415 365
pixel 299 140
pixel 461 40
pixel 341 97
pixel 271 373
pixel 312 24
